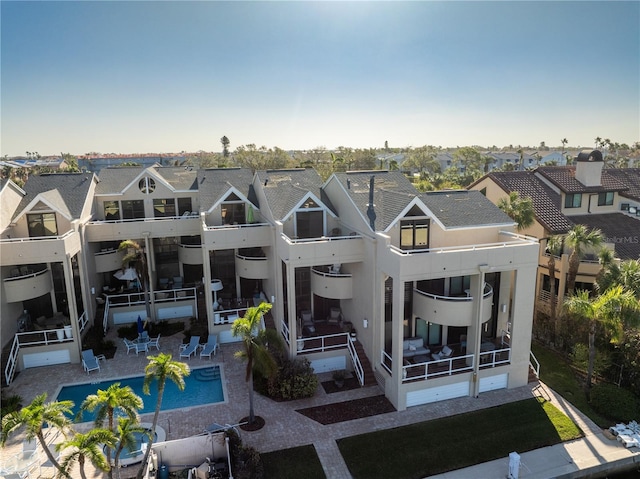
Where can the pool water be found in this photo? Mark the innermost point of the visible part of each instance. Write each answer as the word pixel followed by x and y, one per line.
pixel 202 386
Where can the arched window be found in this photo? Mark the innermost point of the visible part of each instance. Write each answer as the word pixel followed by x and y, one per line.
pixel 147 185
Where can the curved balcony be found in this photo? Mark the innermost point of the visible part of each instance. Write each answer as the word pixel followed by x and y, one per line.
pixel 252 267
pixel 450 310
pixel 108 260
pixel 190 254
pixel 331 285
pixel 31 285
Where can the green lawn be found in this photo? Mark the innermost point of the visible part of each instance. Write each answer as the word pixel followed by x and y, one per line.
pixel 556 373
pixel 437 446
pixel 294 463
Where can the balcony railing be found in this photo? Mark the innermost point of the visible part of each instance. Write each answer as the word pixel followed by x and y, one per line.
pixel 317 344
pixel 207 227
pixel 434 369
pixel 146 219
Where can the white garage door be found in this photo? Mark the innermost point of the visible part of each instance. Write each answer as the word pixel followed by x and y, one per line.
pixel 328 364
pixel 493 382
pixel 175 312
pixel 35 360
pixel 439 393
pixel 129 316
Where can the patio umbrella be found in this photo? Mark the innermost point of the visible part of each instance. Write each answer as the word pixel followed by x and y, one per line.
pixel 128 274
pixel 140 326
pixel 250 217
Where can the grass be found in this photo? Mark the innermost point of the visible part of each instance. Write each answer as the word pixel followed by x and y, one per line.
pixel 556 373
pixel 441 445
pixel 293 463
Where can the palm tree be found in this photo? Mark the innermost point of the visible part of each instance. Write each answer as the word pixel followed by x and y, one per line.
pixel 625 274
pixel 554 248
pixel 518 209
pixel 33 417
pixel 161 368
pixel 256 352
pixel 107 402
pixel 609 310
pixel 579 239
pixel 87 446
pixel 136 255
pixel 125 431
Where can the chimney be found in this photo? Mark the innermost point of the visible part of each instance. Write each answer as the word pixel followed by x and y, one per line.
pixel 589 168
pixel 371 214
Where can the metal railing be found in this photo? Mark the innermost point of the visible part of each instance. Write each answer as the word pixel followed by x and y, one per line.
pixel 318 239
pixel 25 276
pixel 228 316
pixel 342 342
pixel 386 361
pixel 145 219
pixel 488 291
pixel 535 364
pixel 495 358
pixel 206 227
pixel 83 320
pixel 355 359
pixel 37 238
pixel 441 367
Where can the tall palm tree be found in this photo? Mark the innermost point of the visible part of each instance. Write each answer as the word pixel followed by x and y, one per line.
pixel 135 254
pixel 125 431
pixel 625 274
pixel 85 446
pixel 161 368
pixel 610 310
pixel 33 418
pixel 106 403
pixel 518 209
pixel 579 239
pixel 554 248
pixel 255 351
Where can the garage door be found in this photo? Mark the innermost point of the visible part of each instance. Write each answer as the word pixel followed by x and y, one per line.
pixel 36 360
pixel 328 364
pixel 175 312
pixel 493 382
pixel 129 316
pixel 439 393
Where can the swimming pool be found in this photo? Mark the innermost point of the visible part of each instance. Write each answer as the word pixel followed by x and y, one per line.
pixel 202 386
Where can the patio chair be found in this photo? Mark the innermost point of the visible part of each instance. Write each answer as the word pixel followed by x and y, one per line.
pixel 446 352
pixel 154 343
pixel 335 316
pixel 210 347
pixel 89 361
pixel 186 350
pixel 142 346
pixel 307 318
pixel 130 345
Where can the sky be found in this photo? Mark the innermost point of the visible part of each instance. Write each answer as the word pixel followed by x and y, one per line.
pixel 160 76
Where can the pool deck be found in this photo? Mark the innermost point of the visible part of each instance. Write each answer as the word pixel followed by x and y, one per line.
pixel 286 428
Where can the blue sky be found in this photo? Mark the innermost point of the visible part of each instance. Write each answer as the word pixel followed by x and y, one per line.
pixel 130 77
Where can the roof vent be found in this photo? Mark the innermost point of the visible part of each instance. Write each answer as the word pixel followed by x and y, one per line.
pixel 266 180
pixel 348 184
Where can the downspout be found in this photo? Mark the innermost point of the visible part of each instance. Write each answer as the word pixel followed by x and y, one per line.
pixel 371 213
pixel 150 289
pixel 478 294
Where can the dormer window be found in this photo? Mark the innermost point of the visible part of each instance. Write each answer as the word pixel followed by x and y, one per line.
pixel 414 234
pixel 232 210
pixel 147 185
pixel 42 224
pixel 310 220
pixel 573 200
pixel 605 199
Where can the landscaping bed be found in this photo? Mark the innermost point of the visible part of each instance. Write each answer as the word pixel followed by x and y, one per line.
pixel 348 410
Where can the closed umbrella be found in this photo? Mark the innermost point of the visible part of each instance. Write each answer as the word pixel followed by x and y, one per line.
pixel 140 326
pixel 250 217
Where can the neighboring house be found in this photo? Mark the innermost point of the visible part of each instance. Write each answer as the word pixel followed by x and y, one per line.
pixel 430 295
pixel 564 196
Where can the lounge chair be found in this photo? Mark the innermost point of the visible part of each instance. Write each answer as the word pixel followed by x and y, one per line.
pixel 307 318
pixel 89 361
pixel 210 347
pixel 186 350
pixel 446 352
pixel 335 316
pixel 154 343
pixel 629 440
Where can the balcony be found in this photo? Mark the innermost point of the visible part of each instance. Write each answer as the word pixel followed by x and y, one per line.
pixel 252 267
pixel 108 260
pixel 237 236
pixel 42 249
pixel 190 254
pixel 331 285
pixel 450 310
pixel 27 285
pixel 322 250
pixel 120 230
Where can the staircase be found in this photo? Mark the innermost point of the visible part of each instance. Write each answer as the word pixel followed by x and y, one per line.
pixel 369 378
pixel 532 375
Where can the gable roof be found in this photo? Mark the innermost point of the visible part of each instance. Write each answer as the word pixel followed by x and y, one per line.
pixel 546 202
pixel 214 183
pixel 392 194
pixel 464 208
pixel 617 228
pixel 285 189
pixel 116 179
pixel 63 192
pixel 564 177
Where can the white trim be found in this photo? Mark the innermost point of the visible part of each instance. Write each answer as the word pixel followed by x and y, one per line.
pixel 296 208
pixel 27 209
pixel 222 199
pixel 151 172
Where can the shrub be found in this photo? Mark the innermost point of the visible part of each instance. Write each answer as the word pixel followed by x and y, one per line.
pixel 295 380
pixel 615 403
pixel 248 464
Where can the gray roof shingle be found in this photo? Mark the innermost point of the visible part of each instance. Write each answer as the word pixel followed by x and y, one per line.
pixel 66 191
pixel 214 183
pixel 284 189
pixel 460 208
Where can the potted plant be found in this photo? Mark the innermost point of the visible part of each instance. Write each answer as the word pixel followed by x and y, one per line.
pixel 338 377
pixel 67 328
pixel 353 334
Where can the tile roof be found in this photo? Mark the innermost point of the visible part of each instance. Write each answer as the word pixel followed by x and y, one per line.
pixel 214 183
pixel 620 229
pixel 284 189
pixel 564 178
pixel 459 208
pixel 392 193
pixel 630 177
pixel 66 191
pixel 546 202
